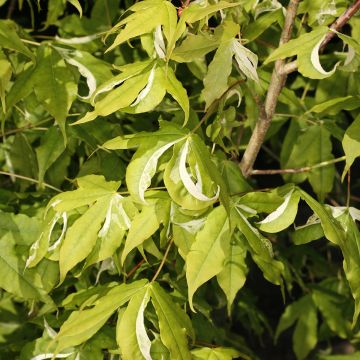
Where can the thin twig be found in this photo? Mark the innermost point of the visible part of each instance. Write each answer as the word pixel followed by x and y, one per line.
pixel 134 268
pixel 336 26
pixel 297 170
pixel 276 84
pixel 211 109
pixel 24 128
pixel 30 180
pixel 162 261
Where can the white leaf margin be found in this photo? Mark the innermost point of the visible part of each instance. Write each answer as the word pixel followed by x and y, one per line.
pixel 193 189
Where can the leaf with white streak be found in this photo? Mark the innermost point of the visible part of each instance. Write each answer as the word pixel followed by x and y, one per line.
pixel 51 356
pixel 283 216
pixel 143 165
pixel 260 249
pixel 131 334
pixel 246 60
pixel 306 48
pixel 194 189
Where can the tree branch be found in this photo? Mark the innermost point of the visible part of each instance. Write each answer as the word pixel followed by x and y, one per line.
pixel 336 26
pixel 298 170
pixel 277 82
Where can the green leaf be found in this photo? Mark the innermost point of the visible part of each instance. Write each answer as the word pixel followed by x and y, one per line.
pixel 76 3
pixel 175 88
pixel 117 99
pixel 333 106
pixel 303 312
pixel 351 144
pixel 313 146
pixel 332 229
pixel 265 202
pixel 81 236
pixel 54 84
pixel 216 79
pixel 90 189
pixel 233 276
pixel 118 219
pixel 261 24
pixel 5 76
pixel 15 279
pixel 10 39
pixel 146 17
pixel 131 334
pixel 218 353
pixel 143 165
pixel 206 256
pixel 307 233
pixel 283 216
pixel 194 47
pixel 174 324
pixel 351 253
pixel 260 248
pixel 49 151
pixel 142 227
pixel 331 313
pixel 306 48
pixel 83 324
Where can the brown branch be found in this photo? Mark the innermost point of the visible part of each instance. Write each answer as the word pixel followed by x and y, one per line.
pixel 276 84
pixel 162 261
pixel 336 26
pixel 297 170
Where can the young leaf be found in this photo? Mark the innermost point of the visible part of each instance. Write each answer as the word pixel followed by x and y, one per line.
pixel 174 324
pixel 206 256
pixel 5 76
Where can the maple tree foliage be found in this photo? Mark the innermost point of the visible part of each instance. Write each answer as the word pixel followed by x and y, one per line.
pixel 179 180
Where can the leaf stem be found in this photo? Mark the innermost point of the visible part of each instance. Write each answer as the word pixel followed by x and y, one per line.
pixel 336 26
pixel 162 261
pixel 30 180
pixel 267 111
pixel 213 105
pixel 298 170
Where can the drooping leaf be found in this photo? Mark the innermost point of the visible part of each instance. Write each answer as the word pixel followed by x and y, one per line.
pixel 131 334
pixel 233 276
pixel 206 256
pixel 303 312
pixel 10 39
pixel 351 144
pixel 260 248
pixel 54 84
pixel 174 324
pixel 49 151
